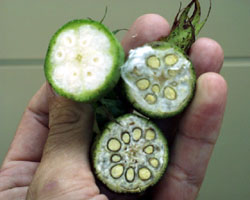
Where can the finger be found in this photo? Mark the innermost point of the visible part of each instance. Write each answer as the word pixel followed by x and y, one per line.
pixel 32 131
pixel 65 166
pixel 199 129
pixel 147 28
pixel 207 56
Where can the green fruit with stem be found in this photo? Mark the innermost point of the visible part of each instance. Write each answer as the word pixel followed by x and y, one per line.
pixel 130 155
pixel 159 78
pixel 83 60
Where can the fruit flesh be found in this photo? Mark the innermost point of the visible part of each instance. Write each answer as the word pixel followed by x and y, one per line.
pixel 83 60
pixel 159 82
pixel 141 159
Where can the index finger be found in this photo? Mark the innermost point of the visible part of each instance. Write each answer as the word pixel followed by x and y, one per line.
pixel 32 131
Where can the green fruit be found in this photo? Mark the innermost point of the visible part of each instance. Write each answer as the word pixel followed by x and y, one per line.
pixel 159 78
pixel 82 61
pixel 130 155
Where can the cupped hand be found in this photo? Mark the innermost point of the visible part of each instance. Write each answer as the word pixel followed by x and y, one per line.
pixel 49 155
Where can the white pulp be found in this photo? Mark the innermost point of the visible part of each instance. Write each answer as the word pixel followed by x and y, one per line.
pixel 81 59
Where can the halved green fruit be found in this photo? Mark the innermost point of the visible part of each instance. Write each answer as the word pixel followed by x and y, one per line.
pixel 82 61
pixel 130 155
pixel 159 78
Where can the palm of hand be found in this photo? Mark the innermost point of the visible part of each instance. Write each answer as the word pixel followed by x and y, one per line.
pixel 49 156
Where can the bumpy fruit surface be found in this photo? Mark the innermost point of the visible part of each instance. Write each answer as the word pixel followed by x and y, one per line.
pixel 82 61
pixel 130 155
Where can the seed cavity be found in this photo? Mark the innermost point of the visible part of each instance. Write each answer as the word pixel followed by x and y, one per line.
pixel 149 149
pixel 170 93
pixel 130 174
pixel 144 174
pixel 173 73
pixel 114 145
pixel 79 57
pixel 137 133
pixel 143 84
pixel 156 89
pixel 84 42
pixel 174 83
pixel 59 55
pixel 69 39
pixel 171 59
pixel 116 158
pixel 136 71
pixel 153 62
pixel 95 59
pixel 117 171
pixel 150 98
pixel 154 162
pixel 125 137
pixel 150 134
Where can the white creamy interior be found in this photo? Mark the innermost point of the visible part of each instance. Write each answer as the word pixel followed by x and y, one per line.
pixel 81 59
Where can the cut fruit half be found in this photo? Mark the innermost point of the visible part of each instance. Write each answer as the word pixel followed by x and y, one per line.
pixel 83 59
pixel 130 155
pixel 159 79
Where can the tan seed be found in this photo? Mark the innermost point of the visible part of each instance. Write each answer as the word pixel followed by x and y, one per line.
pixel 171 59
pixel 137 132
pixel 115 158
pixel 130 174
pixel 170 93
pixel 149 149
pixel 150 134
pixel 116 171
pixel 154 162
pixel 143 84
pixel 156 89
pixel 144 174
pixel 114 144
pixel 126 137
pixel 153 62
pixel 150 98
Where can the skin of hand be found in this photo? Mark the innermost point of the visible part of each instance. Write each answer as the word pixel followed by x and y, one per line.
pixel 49 155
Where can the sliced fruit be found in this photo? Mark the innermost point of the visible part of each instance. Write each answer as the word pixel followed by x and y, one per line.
pixel 138 163
pixel 82 61
pixel 160 91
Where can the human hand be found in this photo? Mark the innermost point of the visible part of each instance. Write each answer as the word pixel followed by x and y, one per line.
pixel 49 156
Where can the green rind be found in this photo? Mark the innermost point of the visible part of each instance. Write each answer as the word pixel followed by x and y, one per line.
pixel 98 141
pixel 111 80
pixel 160 45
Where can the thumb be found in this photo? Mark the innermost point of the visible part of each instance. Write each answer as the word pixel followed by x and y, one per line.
pixel 64 170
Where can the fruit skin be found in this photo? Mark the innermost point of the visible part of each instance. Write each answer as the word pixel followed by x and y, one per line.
pixel 111 80
pixel 98 141
pixel 161 45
